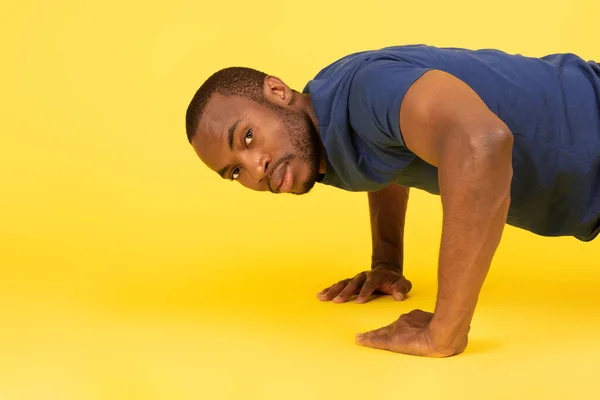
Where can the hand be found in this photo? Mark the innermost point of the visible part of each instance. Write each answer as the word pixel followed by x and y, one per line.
pixel 381 279
pixel 409 334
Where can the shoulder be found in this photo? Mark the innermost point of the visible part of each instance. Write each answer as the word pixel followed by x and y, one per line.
pixel 383 80
pixel 376 94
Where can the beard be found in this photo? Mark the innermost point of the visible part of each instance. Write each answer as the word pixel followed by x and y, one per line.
pixel 306 143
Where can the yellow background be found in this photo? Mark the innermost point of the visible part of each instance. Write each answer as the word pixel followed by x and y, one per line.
pixel 129 271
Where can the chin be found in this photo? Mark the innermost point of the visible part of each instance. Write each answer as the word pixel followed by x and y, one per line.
pixel 304 186
pixel 304 179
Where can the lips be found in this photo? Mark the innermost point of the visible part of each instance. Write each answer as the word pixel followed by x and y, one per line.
pixel 282 179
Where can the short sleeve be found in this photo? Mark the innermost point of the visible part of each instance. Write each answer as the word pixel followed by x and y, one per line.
pixel 376 94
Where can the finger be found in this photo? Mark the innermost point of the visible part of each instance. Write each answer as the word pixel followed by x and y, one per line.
pixel 400 289
pixel 350 289
pixel 334 290
pixel 398 295
pixel 367 290
pixel 407 285
pixel 322 292
pixel 377 339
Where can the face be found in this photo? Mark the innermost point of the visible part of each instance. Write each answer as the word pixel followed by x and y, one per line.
pixel 272 147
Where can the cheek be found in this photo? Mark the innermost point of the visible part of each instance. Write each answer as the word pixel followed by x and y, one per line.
pixel 251 184
pixel 282 144
pixel 277 137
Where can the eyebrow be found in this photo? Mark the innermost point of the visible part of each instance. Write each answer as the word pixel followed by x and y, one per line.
pixel 230 134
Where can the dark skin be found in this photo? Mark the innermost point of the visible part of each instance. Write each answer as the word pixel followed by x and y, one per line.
pixel 387 216
pixel 254 157
pixel 446 124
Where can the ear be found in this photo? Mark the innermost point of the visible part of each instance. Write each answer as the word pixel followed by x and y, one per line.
pixel 277 92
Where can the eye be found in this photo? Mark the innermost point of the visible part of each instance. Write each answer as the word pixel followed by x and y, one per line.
pixel 235 174
pixel 248 138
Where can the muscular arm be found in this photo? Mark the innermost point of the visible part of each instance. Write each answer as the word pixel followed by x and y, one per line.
pixel 445 123
pixel 387 209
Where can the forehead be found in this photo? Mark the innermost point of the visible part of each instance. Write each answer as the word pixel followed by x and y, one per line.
pixel 220 114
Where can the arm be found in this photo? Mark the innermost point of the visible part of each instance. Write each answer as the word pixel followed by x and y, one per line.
pixel 445 123
pixel 387 209
pixel 387 214
pixel 449 126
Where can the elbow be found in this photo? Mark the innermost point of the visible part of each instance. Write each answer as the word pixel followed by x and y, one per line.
pixel 477 147
pixel 494 152
pixel 488 157
pixel 496 144
pixel 484 157
pixel 480 167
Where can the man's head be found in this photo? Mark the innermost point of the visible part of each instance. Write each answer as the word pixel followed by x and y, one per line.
pixel 251 127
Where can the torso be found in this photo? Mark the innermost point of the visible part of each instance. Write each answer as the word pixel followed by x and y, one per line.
pixel 551 105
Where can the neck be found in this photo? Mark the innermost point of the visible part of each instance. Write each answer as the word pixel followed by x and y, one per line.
pixel 305 105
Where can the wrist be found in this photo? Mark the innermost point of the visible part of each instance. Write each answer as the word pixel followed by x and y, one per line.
pixel 387 253
pixel 448 339
pixel 388 265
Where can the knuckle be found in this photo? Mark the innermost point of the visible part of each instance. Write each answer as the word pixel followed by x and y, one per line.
pixel 370 283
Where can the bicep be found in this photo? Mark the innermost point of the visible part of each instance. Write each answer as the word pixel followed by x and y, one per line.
pixel 439 109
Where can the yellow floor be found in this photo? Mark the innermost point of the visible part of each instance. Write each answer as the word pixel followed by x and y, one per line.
pixel 128 271
pixel 252 328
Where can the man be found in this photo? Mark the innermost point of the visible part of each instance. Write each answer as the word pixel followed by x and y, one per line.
pixel 501 138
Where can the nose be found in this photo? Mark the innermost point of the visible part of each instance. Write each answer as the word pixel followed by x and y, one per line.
pixel 260 167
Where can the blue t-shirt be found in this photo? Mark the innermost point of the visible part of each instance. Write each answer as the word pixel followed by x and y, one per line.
pixel 551 104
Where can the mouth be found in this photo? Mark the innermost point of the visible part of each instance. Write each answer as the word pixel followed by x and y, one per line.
pixel 282 179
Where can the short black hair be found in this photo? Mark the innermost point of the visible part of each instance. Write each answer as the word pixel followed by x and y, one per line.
pixel 233 81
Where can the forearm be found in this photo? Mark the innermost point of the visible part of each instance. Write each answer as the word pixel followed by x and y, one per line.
pixel 476 196
pixel 387 216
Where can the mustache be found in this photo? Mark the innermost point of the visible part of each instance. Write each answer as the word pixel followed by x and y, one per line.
pixel 273 168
